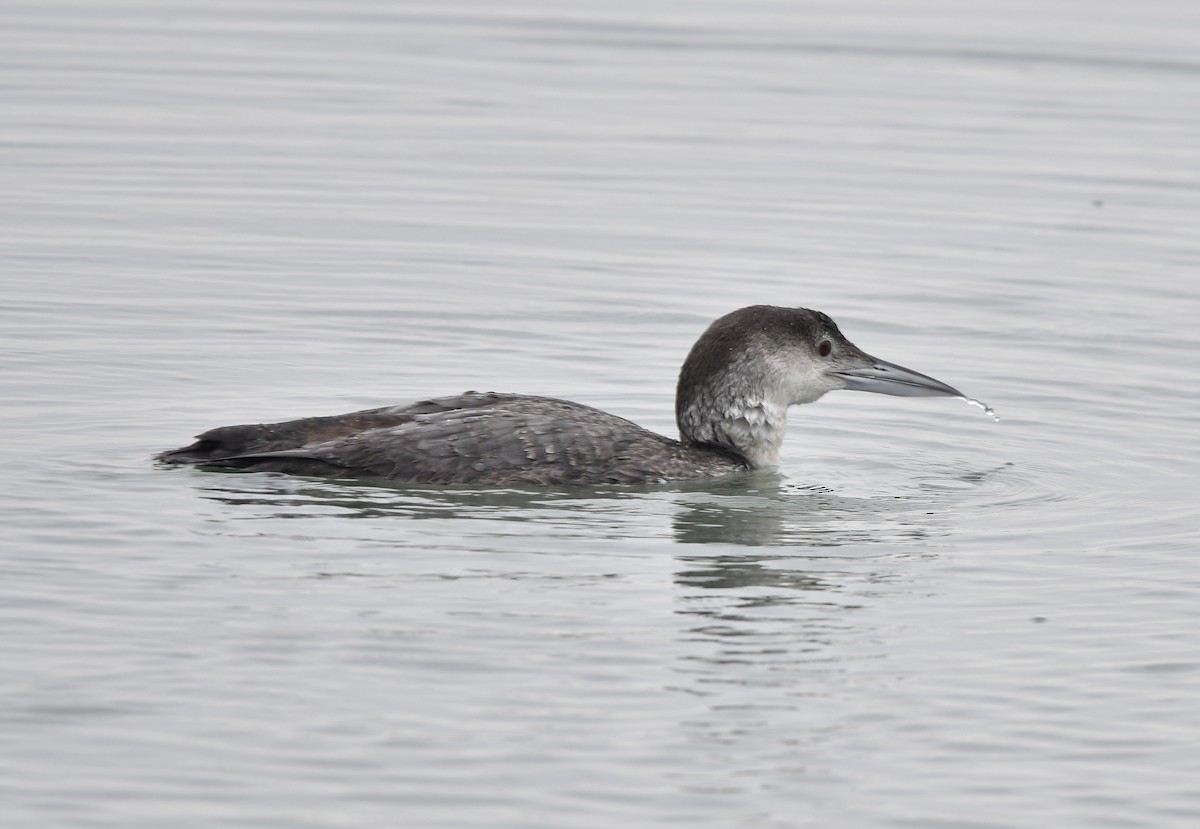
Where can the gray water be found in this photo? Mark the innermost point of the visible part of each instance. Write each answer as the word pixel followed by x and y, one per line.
pixel 231 212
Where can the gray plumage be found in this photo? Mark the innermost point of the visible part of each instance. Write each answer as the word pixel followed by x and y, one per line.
pixel 731 402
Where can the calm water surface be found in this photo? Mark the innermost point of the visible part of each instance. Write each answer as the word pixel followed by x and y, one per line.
pixel 232 212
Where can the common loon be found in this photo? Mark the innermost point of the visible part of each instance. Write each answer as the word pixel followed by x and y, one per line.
pixel 731 406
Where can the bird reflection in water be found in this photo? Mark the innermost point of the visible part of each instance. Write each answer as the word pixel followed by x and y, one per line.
pixel 767 513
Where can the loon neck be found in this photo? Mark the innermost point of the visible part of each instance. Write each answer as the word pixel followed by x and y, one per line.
pixel 751 429
pixel 743 373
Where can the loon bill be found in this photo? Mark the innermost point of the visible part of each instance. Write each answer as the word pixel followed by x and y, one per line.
pixel 731 407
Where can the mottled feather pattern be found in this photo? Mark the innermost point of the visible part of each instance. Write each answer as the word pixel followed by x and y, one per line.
pixel 503 438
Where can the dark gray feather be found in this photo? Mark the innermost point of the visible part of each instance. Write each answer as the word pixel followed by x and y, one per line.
pixel 470 438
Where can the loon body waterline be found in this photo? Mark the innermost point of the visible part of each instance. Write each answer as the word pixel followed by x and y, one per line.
pixel 731 407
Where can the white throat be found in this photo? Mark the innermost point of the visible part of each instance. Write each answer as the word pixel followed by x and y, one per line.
pixel 754 430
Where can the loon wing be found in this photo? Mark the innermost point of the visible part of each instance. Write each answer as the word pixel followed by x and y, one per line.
pixel 470 438
pixel 245 439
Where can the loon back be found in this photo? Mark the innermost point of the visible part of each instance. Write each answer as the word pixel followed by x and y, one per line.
pixel 472 438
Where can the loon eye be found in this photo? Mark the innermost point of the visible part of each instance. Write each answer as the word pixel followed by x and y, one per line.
pixel 825 348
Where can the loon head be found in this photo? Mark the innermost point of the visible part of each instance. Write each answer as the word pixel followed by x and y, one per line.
pixel 749 366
